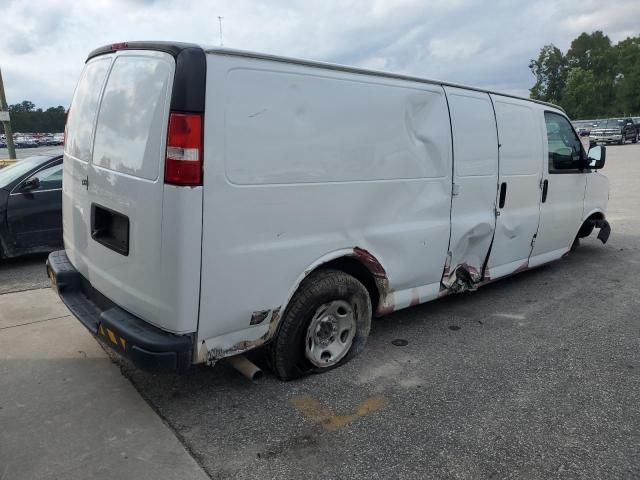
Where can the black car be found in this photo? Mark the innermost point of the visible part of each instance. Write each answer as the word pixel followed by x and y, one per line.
pixel 31 206
pixel 614 130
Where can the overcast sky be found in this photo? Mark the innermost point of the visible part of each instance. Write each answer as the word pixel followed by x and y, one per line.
pixel 483 43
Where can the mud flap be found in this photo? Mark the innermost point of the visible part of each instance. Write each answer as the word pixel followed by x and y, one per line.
pixel 605 230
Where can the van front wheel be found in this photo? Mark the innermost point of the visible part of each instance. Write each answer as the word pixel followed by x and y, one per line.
pixel 326 324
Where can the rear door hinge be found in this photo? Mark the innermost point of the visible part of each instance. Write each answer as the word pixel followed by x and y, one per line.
pixel 455 189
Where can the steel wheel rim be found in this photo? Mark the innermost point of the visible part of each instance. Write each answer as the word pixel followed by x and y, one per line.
pixel 330 333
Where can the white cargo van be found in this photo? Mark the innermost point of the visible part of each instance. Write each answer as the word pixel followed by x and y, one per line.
pixel 215 201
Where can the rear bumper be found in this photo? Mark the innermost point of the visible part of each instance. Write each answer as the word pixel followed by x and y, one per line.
pixel 148 347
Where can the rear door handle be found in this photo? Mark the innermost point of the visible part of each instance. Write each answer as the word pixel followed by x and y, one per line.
pixel 503 194
pixel 545 188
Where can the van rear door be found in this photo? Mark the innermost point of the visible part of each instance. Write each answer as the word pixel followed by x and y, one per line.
pixel 136 239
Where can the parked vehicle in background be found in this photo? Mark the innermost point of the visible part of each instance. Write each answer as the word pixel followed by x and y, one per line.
pixel 217 201
pixel 614 130
pixel 31 206
pixel 25 142
pixel 582 129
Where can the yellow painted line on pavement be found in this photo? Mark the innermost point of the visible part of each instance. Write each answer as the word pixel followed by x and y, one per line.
pixel 314 411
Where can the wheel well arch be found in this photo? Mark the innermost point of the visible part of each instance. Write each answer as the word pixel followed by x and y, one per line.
pixel 357 262
pixel 352 266
pixel 595 215
pixel 587 225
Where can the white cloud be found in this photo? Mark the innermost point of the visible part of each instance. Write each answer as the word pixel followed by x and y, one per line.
pixel 464 41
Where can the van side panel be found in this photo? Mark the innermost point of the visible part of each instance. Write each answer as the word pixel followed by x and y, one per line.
pixel 520 170
pixel 300 163
pixel 561 212
pixel 473 214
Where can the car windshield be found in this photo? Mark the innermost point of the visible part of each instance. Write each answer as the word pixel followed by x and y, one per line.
pixel 15 171
pixel 611 123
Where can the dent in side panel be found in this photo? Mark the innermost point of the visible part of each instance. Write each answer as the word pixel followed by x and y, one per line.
pixel 275 204
pixel 473 214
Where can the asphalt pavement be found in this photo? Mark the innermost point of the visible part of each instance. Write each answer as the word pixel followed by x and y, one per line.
pixel 29 152
pixel 535 376
pixel 24 273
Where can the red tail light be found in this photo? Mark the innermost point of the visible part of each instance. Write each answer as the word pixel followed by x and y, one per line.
pixel 183 165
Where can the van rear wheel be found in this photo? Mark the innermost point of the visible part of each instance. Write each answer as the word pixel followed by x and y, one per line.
pixel 326 324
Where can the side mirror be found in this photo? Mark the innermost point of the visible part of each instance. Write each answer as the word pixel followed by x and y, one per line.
pixel 30 184
pixel 596 156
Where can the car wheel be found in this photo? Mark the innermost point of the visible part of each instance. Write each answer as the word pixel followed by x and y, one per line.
pixel 325 325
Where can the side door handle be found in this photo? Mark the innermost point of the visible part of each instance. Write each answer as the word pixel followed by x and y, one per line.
pixel 503 194
pixel 545 188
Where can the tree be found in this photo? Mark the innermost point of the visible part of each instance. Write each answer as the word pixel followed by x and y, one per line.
pixel 550 70
pixel 594 79
pixel 591 52
pixel 24 106
pixel 627 75
pixel 26 118
pixel 579 93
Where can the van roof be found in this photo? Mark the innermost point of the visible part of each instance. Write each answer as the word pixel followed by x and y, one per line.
pixel 174 48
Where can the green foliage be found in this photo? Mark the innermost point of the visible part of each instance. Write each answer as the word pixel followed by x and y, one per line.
pixel 550 70
pixel 580 85
pixel 594 79
pixel 25 118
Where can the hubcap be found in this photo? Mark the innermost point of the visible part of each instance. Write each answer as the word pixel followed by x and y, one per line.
pixel 330 333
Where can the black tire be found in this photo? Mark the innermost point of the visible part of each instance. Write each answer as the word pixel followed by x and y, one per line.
pixel 286 352
pixel 622 140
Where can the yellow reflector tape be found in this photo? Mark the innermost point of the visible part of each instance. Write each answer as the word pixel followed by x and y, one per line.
pixel 123 343
pixel 102 331
pixel 112 336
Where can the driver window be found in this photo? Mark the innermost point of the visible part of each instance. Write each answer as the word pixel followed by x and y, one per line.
pixel 565 148
pixel 50 178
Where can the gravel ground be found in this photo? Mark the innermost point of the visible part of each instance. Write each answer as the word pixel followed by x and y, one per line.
pixel 536 376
